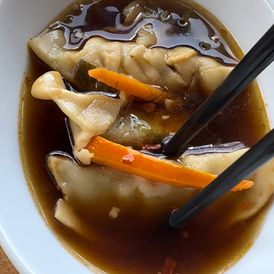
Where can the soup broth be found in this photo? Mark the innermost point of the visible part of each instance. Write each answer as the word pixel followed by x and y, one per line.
pixel 197 248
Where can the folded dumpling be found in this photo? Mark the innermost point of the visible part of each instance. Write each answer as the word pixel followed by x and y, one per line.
pixel 104 193
pixel 90 113
pixel 98 190
pixel 104 113
pixel 178 69
pixel 245 203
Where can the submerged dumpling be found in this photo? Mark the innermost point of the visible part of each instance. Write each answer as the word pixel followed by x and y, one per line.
pixel 246 203
pixel 178 69
pixel 104 193
pixel 97 190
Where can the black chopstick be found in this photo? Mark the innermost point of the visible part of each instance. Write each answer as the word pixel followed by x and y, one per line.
pixel 255 61
pixel 244 166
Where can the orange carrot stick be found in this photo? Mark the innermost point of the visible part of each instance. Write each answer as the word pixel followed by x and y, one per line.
pixel 131 161
pixel 128 84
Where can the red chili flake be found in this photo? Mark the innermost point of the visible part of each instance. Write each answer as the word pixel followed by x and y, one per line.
pixel 169 266
pixel 245 205
pixel 128 159
pixel 152 147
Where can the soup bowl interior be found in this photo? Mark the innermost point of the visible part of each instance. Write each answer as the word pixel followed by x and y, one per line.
pixel 24 235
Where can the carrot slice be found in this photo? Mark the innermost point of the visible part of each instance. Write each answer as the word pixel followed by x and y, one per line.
pixel 129 85
pixel 131 161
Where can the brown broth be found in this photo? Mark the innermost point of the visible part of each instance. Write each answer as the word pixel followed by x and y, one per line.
pixel 198 249
pixel 104 19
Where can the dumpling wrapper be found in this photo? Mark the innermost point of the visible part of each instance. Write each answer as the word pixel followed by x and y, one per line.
pixel 212 162
pixel 179 69
pixel 91 113
pixel 96 190
pixel 249 202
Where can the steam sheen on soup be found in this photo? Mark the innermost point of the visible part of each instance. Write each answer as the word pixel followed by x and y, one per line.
pixel 107 83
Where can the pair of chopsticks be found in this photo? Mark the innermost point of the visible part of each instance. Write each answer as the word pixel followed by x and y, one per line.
pixel 254 62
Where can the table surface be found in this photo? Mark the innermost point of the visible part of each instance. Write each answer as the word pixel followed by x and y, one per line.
pixel 5 266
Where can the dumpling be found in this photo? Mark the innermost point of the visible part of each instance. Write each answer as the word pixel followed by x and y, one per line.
pixel 178 69
pixel 212 158
pixel 96 113
pixel 100 191
pixel 97 190
pixel 90 113
pixel 246 203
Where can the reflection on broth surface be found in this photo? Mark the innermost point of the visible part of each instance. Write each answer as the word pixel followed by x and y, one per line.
pixel 183 27
pixel 111 219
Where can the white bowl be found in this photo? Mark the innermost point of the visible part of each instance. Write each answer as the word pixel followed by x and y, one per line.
pixel 24 235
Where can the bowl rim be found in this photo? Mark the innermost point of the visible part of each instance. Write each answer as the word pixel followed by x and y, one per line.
pixel 17 249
